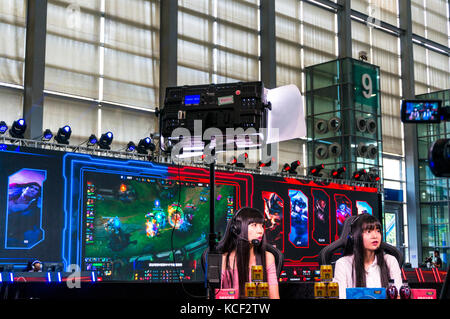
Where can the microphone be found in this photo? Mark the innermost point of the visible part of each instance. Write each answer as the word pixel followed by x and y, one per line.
pixel 254 242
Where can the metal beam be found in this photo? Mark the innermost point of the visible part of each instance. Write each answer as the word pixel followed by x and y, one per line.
pixel 410 136
pixel 344 29
pixel 268 44
pixel 33 102
pixel 168 47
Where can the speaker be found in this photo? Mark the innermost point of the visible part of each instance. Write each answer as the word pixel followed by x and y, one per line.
pixel 372 151
pixel 361 150
pixel 321 127
pixel 335 150
pixel 361 124
pixel 371 126
pixel 321 151
pixel 334 124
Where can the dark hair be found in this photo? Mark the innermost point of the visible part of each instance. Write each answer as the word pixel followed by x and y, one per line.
pixel 231 241
pixel 366 222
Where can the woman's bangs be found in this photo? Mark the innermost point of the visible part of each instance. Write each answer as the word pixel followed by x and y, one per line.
pixel 371 226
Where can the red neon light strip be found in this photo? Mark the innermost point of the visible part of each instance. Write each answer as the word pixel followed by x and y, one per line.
pixel 294 181
pixel 420 275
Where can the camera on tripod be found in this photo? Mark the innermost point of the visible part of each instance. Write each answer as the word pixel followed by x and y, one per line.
pixel 430 111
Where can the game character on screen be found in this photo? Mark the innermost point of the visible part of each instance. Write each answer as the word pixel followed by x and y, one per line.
pixel 273 209
pixel 299 222
pixel 113 225
pixel 244 245
pixel 342 212
pixel 319 207
pixel 365 264
pixel 24 210
pixel 152 228
pixel 118 238
pixel 23 196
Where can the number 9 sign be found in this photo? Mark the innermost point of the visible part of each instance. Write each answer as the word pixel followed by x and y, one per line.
pixel 366 84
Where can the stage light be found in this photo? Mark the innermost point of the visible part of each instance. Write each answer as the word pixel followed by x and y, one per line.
pixel 47 135
pixel 3 127
pixel 63 135
pixel 294 166
pixel 266 164
pixel 105 141
pixel 18 128
pixel 337 173
pixel 360 175
pixel 372 176
pixel 291 168
pixel 286 168
pixel 241 160
pixel 315 170
pixel 145 145
pixel 92 140
pixel 131 146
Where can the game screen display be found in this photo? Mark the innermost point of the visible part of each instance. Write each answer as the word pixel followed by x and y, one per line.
pixel 149 229
pixel 304 216
pixel 143 221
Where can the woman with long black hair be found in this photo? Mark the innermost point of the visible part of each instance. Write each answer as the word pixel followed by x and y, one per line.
pixel 364 263
pixel 244 245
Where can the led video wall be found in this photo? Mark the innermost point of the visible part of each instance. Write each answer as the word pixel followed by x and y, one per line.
pixel 140 221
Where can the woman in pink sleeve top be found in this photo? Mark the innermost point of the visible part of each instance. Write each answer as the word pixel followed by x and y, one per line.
pixel 243 246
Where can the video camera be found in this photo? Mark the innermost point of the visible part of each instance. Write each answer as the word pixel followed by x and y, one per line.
pixel 430 111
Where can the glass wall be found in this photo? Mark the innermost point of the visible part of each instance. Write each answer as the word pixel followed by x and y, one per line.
pixel 434 191
pixel 104 55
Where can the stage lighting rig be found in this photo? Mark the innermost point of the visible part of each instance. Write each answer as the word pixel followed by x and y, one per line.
pixel 47 135
pixel 360 175
pixel 18 128
pixel 266 164
pixel 241 159
pixel 105 141
pixel 315 170
pixel 92 140
pixel 145 145
pixel 286 168
pixel 130 146
pixel 294 166
pixel 63 135
pixel 372 176
pixel 3 127
pixel 337 173
pixel 291 168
